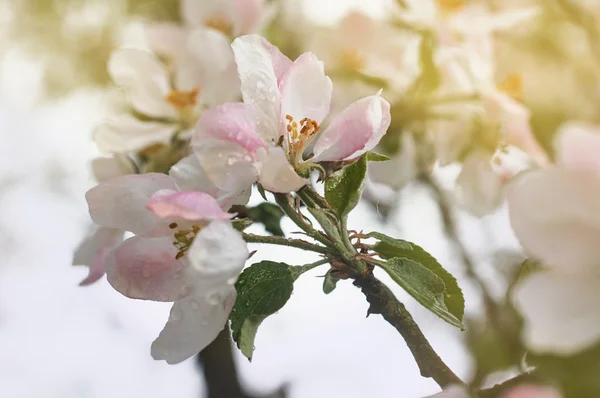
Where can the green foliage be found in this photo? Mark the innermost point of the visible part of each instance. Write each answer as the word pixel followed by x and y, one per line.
pixel 262 290
pixel 344 187
pixel 388 247
pixel 376 157
pixel 329 282
pixel 426 287
pixel 269 215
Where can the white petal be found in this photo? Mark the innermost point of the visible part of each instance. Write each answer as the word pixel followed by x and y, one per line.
pixel 306 90
pixel 197 12
pixel 555 214
pixel 107 168
pixel 479 186
pixel 121 203
pixel 194 323
pixel 126 133
pixel 259 85
pixel 227 164
pixel 577 147
pixel 144 79
pixel 560 311
pixel 276 174
pixel 217 256
pixel 453 391
pixel 93 250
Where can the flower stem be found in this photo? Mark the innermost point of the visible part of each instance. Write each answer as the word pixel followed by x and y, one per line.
pixel 284 203
pixel 297 243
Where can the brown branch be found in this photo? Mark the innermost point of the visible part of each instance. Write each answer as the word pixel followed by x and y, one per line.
pixel 382 301
pixel 500 389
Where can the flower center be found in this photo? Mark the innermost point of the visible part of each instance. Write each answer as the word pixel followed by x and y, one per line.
pixel 183 100
pixel 299 134
pixel 184 238
pixel 450 6
pixel 221 24
pixel 351 59
pixel 512 85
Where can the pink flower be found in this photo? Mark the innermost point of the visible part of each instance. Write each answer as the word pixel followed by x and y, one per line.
pixel 266 138
pixel 232 17
pixel 555 214
pixel 185 250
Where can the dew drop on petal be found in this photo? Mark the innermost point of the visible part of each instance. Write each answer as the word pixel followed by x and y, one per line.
pixel 194 305
pixel 213 298
pixel 146 273
pixel 175 316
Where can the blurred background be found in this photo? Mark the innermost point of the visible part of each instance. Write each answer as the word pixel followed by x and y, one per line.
pixel 61 340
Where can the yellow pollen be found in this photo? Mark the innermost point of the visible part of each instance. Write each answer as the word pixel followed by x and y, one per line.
pixel 299 134
pixel 512 85
pixel 183 99
pixel 351 59
pixel 184 238
pixel 450 6
pixel 223 25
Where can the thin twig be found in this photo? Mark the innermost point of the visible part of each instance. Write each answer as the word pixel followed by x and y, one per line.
pixel 382 301
pixel 297 243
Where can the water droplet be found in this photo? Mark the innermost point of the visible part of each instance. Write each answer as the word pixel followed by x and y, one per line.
pixel 204 322
pixel 194 305
pixel 175 316
pixel 232 280
pixel 231 161
pixel 247 158
pixel 213 298
pixel 260 85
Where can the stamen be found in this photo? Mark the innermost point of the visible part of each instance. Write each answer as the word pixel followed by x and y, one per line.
pixel 184 238
pixel 221 24
pixel 299 135
pixel 512 85
pixel 449 6
pixel 173 225
pixel 183 99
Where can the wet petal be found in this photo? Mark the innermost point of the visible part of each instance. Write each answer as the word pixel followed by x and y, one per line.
pixel 217 256
pixel 238 123
pixel 259 66
pixel 228 165
pixel 93 250
pixel 190 176
pixel 306 90
pixel 560 311
pixel 578 146
pixel 193 324
pixel 191 206
pixel 246 15
pixel 555 214
pixel 146 269
pixel 126 133
pixel 356 130
pixel 144 79
pixel 276 174
pixel 121 203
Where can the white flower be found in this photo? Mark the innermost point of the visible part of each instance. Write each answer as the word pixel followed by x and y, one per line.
pixel 555 214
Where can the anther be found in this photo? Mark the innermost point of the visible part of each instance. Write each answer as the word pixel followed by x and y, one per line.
pixel 173 225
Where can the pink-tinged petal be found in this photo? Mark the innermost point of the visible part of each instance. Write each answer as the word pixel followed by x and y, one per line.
pixel 532 391
pixel 166 39
pixel 212 66
pixel 191 206
pixel 126 133
pixel 578 146
pixel 217 256
pixel 238 123
pixel 121 203
pixel 190 176
pixel 246 15
pixel 560 311
pixel 144 79
pixel 555 214
pixel 480 188
pixel 93 250
pixel 275 172
pixel 228 165
pixel 193 324
pixel 306 90
pixel 107 168
pixel 356 130
pixel 146 269
pixel 259 65
pixel 453 391
pixel 509 161
pixel 197 13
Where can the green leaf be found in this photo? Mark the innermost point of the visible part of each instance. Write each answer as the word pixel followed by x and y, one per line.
pixel 344 187
pixel 427 288
pixel 329 282
pixel 261 191
pixel 269 215
pixel 388 247
pixel 376 157
pixel 241 223
pixel 262 290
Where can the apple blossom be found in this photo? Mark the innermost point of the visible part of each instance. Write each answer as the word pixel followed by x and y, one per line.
pixel 554 214
pixel 185 251
pixel 267 136
pixel 522 391
pixel 169 96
